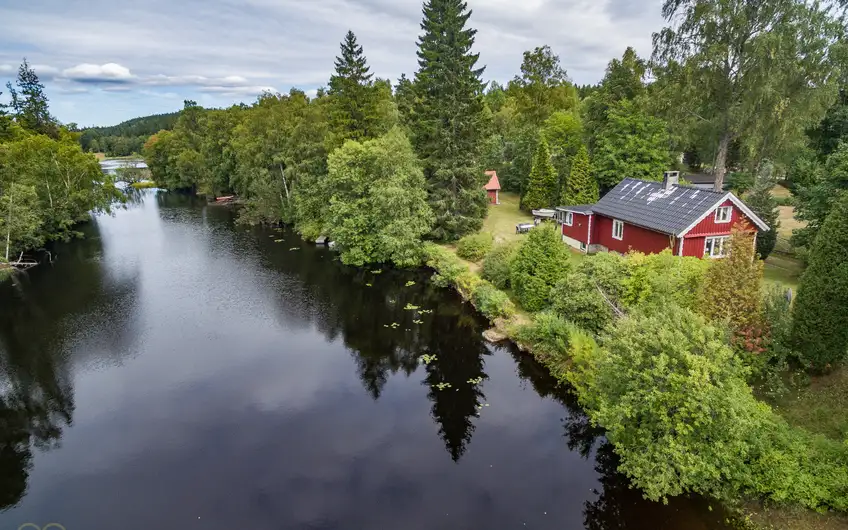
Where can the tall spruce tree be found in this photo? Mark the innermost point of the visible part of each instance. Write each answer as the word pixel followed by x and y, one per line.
pixel 541 186
pixel 30 104
pixel 820 326
pixel 580 187
pixel 446 124
pixel 354 113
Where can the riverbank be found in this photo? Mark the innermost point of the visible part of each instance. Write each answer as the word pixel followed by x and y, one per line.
pixel 511 323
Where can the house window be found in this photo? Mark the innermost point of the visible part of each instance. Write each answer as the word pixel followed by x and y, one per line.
pixel 714 246
pixel 569 218
pixel 722 214
pixel 618 229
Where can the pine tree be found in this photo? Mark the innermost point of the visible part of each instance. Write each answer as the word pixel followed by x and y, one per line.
pixel 580 187
pixel 446 123
pixel 820 327
pixel 30 104
pixel 762 203
pixel 541 186
pixel 354 109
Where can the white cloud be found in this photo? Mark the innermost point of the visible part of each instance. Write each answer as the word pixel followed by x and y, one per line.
pixel 94 73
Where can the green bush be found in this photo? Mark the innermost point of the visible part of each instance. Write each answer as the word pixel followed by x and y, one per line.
pixel 672 397
pixel 474 247
pixel 447 266
pixel 492 302
pixel 540 262
pixel 576 299
pixel 549 336
pixel 496 265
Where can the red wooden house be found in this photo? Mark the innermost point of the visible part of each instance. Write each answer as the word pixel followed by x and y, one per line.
pixel 493 187
pixel 652 216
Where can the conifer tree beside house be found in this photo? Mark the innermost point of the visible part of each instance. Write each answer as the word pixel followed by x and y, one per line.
pixel 354 113
pixel 820 323
pixel 580 186
pixel 762 203
pixel 447 119
pixel 541 186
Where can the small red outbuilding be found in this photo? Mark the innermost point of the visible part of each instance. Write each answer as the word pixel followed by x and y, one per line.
pixel 493 187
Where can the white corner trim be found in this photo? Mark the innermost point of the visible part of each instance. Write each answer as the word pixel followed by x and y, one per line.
pixel 738 203
pixel 589 232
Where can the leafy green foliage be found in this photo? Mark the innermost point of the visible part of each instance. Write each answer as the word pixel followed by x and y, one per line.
pixel 763 203
pixel 542 184
pixel 446 122
pixel 549 336
pixel 541 261
pixel 577 299
pixel 581 187
pixel 564 133
pixel 474 247
pixel 731 290
pixel 751 75
pixel 673 400
pixel 496 264
pixel 47 186
pixel 633 144
pixel 624 80
pixel 818 188
pixel 378 208
pixel 492 302
pixel 820 329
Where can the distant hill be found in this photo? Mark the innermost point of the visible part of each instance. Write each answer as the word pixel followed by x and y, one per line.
pixel 128 137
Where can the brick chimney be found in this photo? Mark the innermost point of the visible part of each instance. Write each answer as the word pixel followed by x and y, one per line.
pixel 671 179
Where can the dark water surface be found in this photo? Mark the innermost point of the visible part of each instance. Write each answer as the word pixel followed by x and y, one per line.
pixel 175 371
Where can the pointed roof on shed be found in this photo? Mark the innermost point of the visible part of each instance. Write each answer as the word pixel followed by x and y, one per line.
pixel 494 183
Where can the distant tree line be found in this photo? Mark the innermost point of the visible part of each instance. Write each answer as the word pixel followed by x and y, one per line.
pixel 128 137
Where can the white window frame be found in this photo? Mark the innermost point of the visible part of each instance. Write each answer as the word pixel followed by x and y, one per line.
pixel 721 240
pixel 617 228
pixel 569 219
pixel 723 214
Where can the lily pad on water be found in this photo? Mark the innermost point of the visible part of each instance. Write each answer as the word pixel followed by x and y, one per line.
pixel 410 284
pixel 294 248
pixel 279 240
pixel 410 307
pixel 377 272
pixel 369 285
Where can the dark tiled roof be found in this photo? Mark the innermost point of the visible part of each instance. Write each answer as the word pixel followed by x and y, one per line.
pixel 580 208
pixel 648 205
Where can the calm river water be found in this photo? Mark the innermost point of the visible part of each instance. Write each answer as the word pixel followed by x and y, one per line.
pixel 175 371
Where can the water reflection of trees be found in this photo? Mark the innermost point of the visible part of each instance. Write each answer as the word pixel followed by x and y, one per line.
pixel 369 313
pixel 38 312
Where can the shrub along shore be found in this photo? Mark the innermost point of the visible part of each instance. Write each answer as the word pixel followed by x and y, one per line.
pixel 664 353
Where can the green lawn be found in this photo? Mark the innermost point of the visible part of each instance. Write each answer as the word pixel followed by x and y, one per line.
pixel 783 270
pixel 822 407
pixel 503 217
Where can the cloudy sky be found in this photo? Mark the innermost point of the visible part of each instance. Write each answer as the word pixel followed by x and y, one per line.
pixel 104 61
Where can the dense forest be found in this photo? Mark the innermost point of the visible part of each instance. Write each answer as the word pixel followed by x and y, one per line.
pixel 47 183
pixel 126 138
